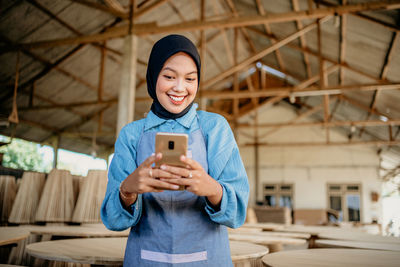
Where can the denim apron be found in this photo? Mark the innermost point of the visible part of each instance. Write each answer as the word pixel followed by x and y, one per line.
pixel 174 229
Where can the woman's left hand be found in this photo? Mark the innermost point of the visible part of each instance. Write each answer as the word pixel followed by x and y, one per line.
pixel 195 179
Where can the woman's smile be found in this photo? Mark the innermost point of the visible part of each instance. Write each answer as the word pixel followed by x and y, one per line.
pixel 177 100
pixel 177 83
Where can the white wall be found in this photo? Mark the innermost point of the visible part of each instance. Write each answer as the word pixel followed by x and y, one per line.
pixel 311 168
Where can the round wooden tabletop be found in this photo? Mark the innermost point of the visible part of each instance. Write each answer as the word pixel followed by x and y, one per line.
pixel 108 251
pixel 359 236
pixel 266 239
pixel 11 235
pixel 264 226
pixel 77 231
pixel 329 243
pixel 332 257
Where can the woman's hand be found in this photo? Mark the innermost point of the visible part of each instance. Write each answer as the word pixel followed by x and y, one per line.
pixel 143 180
pixel 195 179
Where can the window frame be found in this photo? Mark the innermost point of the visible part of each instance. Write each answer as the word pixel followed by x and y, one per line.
pixel 343 192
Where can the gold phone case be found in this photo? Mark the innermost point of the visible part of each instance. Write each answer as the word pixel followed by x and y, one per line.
pixel 172 146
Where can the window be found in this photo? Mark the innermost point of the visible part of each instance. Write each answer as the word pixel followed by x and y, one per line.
pixel 278 195
pixel 345 198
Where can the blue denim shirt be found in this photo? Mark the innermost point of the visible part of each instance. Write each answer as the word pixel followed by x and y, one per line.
pixel 224 162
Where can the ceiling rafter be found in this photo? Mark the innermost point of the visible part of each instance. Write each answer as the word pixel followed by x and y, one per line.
pixel 310 144
pixel 267 28
pixel 367 123
pixel 305 114
pixel 153 28
pixel 384 70
pixel 260 54
pixel 313 53
pixel 303 43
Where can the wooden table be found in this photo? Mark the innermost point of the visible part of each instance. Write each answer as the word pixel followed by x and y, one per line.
pixel 274 243
pixel 11 235
pixel 265 226
pixel 359 236
pixel 329 243
pixel 110 251
pixel 332 257
pixel 75 231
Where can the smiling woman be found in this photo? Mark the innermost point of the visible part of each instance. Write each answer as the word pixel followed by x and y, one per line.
pixel 168 226
pixel 177 83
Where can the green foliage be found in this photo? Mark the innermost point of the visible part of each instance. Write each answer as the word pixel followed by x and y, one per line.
pixel 24 155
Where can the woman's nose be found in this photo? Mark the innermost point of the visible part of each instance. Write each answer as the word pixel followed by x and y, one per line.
pixel 179 86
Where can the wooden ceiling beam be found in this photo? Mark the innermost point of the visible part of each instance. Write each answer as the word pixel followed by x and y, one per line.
pixel 304 84
pixel 366 123
pixel 246 110
pixel 314 144
pixel 305 114
pixel 79 123
pixel 115 6
pixel 68 26
pixel 292 91
pixel 313 53
pixel 303 43
pixel 153 28
pixel 342 44
pixel 228 48
pixel 391 27
pixel 242 29
pixel 104 8
pixel 267 28
pixel 384 70
pixel 362 106
pixel 259 55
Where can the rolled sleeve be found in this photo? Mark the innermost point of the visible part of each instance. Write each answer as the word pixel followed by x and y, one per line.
pixel 113 214
pixel 226 166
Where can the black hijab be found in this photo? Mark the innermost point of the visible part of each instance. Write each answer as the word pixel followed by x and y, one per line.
pixel 162 50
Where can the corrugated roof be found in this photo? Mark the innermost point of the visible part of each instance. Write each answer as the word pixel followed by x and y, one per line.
pixel 65 74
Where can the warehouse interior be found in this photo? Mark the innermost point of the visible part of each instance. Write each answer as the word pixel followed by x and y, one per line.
pixel 310 89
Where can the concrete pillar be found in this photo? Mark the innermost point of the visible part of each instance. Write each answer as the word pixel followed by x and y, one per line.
pixel 126 97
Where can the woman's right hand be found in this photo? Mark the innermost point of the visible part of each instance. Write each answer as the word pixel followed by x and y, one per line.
pixel 143 180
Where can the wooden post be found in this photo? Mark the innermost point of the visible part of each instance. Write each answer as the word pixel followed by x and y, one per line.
pixel 56 145
pixel 126 97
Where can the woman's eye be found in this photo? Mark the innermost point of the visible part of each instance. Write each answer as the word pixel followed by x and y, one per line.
pixel 190 79
pixel 168 77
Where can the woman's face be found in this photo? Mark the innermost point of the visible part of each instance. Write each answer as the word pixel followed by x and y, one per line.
pixel 177 83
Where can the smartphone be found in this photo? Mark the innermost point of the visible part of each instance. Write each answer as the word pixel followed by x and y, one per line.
pixel 172 146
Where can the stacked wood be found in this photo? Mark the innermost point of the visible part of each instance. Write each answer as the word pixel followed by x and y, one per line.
pixel 91 195
pixel 57 200
pixel 27 199
pixel 251 216
pixel 8 190
pixel 273 214
pixel 77 182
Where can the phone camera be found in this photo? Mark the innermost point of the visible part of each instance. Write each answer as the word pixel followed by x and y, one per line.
pixel 171 145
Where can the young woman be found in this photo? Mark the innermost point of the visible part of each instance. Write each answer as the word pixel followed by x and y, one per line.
pixel 169 227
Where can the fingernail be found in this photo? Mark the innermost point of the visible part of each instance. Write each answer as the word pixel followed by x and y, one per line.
pixel 163 167
pixel 152 154
pixel 176 186
pixel 183 157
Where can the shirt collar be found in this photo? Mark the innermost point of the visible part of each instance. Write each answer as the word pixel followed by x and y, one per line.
pixel 152 120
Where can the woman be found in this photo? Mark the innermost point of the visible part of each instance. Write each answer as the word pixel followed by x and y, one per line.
pixel 168 227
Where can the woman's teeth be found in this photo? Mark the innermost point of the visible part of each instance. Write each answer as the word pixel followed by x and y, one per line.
pixel 177 98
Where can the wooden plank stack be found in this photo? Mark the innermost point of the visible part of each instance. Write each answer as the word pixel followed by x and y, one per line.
pixel 77 182
pixel 8 190
pixel 273 214
pixel 91 196
pixel 27 199
pixel 57 200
